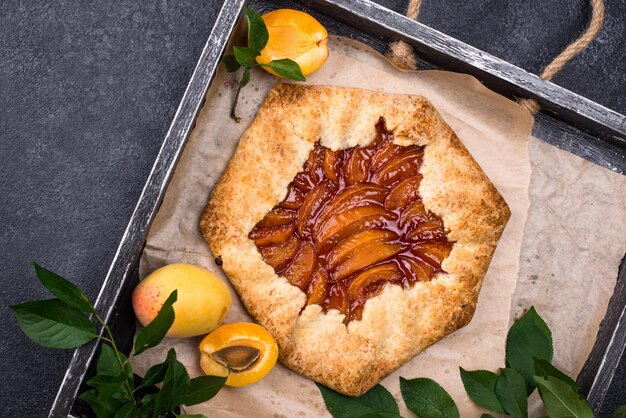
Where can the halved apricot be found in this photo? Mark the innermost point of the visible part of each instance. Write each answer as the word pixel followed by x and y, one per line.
pixel 388 272
pixel 365 257
pixel 271 236
pixel 347 247
pixel 278 256
pixel 313 203
pixel 403 193
pixel 277 217
pixel 247 349
pixel 301 268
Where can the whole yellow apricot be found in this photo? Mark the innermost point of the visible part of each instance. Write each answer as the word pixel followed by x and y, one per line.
pixel 297 36
pixel 203 299
pixel 247 349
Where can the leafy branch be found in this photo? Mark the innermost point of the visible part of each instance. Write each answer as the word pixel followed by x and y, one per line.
pixel 528 367
pixel 116 391
pixel 246 57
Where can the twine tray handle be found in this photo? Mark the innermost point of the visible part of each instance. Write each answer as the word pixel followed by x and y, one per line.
pixel 402 54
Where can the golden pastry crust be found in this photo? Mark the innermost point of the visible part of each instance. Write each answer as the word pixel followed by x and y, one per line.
pixel 398 323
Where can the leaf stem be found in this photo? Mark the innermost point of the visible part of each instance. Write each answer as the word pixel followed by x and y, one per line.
pixel 117 354
pixel 233 109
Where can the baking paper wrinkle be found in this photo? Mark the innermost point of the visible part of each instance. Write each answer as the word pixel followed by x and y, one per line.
pixel 496 131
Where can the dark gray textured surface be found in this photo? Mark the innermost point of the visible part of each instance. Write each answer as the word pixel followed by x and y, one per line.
pixel 87 94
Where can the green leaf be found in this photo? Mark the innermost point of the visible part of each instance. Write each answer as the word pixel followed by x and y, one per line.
pixel 560 400
pixel 107 362
pixel 63 289
pixel 191 416
pixel 620 412
pixel 487 416
pixel 154 375
pixel 480 385
pixel 147 405
pixel 53 324
pixel 175 385
pixel 528 338
pixel 128 411
pixel 257 31
pixel 109 365
pixel 245 56
pixel 377 402
pixel 101 408
pixel 109 387
pixel 427 399
pixel 286 68
pixel 203 388
pixel 544 368
pixel 246 77
pixel 511 392
pixel 155 331
pixel 231 64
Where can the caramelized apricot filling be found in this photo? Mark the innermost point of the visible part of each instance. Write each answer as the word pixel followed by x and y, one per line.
pixel 353 221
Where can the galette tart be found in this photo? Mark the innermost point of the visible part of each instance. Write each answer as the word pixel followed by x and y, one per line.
pixel 356 228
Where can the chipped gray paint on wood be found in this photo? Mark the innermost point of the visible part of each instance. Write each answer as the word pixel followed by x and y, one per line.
pixel 564 117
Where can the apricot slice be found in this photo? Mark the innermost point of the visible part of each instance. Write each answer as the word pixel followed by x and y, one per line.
pixel 414 214
pixel 338 297
pixel 303 182
pixel 271 236
pixel 433 253
pixel 366 256
pixel 355 169
pixel 431 230
pixel 331 164
pixel 297 36
pixel 403 193
pixel 403 165
pixel 351 196
pixel 301 268
pixel 278 256
pixel 246 348
pixel 294 199
pixel 419 270
pixel 313 203
pixel 388 272
pixel 349 222
pixel 383 155
pixel 277 217
pixel 350 245
pixel 317 292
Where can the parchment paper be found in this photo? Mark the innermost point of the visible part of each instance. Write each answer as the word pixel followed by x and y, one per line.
pixel 496 132
pixel 574 241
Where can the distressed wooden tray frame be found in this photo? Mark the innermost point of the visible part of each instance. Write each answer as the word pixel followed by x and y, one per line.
pixel 567 120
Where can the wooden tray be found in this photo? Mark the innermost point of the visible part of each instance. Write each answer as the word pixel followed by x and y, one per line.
pixel 567 121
